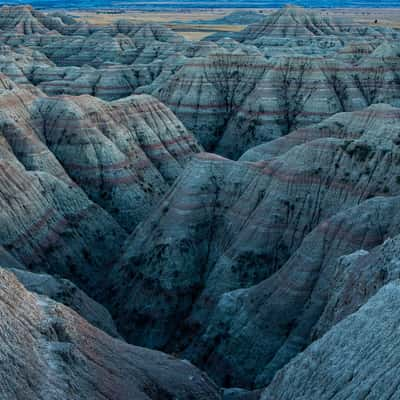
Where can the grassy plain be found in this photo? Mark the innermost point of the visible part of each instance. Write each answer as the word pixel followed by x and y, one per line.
pixel 181 21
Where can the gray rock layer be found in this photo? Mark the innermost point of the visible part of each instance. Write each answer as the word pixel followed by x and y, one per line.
pixel 65 292
pixel 49 352
pixel 215 261
pixel 357 358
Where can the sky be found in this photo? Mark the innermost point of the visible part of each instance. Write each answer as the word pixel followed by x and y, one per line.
pixel 177 4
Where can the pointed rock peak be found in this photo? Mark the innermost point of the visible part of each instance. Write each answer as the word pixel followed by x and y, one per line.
pixel 22 19
pixel 21 8
pixel 293 9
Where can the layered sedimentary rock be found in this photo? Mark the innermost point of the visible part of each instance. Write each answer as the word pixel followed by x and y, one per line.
pixel 168 261
pixel 271 322
pixel 356 359
pixel 107 61
pixel 296 30
pixel 242 265
pixel 67 293
pixel 293 81
pixel 122 154
pixel 237 224
pixel 205 92
pixel 233 102
pixel 77 173
pixel 50 352
pixel 25 20
pixel 356 278
pixel 233 94
pixel 49 224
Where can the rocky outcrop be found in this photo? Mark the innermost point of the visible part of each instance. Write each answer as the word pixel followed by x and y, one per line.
pixel 233 94
pixel 273 321
pixel 168 261
pixel 356 278
pixel 244 267
pixel 207 91
pixel 25 20
pixel 74 171
pixel 234 102
pixel 122 154
pixel 344 362
pixel 65 292
pixel 230 225
pixel 49 224
pixel 76 58
pixel 51 352
pixel 349 126
pixel 303 31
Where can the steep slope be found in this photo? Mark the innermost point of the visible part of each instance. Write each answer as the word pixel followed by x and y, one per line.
pixel 167 258
pixel 232 95
pixel 294 21
pixel 349 126
pixel 106 61
pixel 68 43
pixel 205 92
pixel 228 225
pixel 242 265
pixel 122 154
pixel 356 278
pixel 233 102
pixel 264 326
pixel 304 31
pixel 52 353
pixel 49 224
pixel 19 64
pixel 65 292
pixel 57 153
pixel 22 20
pixel 343 364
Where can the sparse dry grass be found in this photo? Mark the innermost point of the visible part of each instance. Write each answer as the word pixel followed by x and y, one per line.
pixel 384 17
pixel 389 17
pixel 189 31
pixel 200 27
pixel 195 35
pixel 99 18
pixel 198 31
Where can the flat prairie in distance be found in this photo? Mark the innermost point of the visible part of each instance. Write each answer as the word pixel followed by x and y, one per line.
pixel 189 22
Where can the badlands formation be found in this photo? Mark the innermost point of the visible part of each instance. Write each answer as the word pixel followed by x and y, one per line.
pixel 230 205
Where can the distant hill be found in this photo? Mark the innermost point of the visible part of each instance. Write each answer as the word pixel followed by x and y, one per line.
pixel 235 18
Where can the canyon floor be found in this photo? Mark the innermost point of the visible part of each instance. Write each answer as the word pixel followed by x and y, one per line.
pixel 200 206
